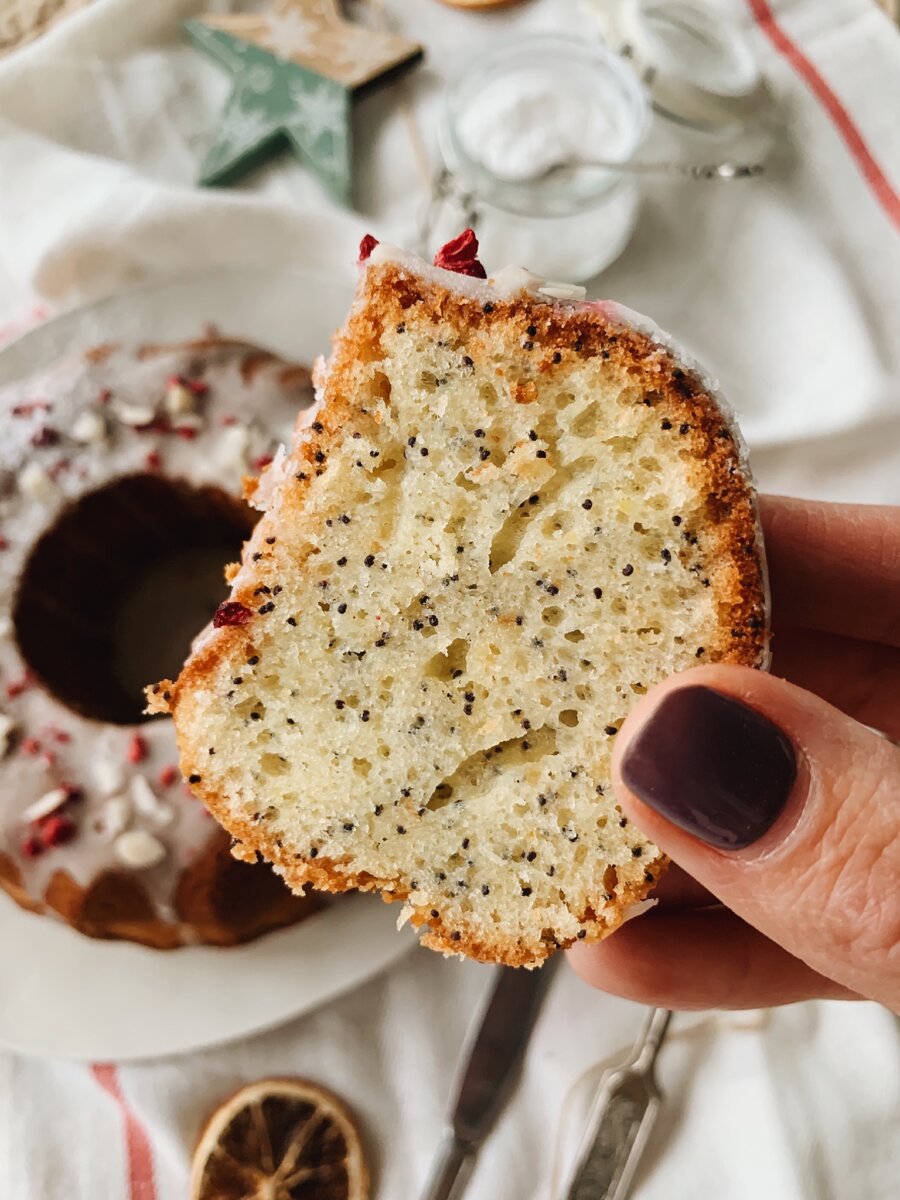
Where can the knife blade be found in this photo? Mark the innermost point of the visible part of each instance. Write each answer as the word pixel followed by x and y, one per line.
pixel 489 1076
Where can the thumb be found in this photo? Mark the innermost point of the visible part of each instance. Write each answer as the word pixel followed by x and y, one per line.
pixel 783 807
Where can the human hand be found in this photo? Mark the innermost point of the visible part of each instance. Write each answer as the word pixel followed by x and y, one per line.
pixel 780 809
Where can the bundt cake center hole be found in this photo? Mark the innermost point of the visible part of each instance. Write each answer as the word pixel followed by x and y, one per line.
pixel 113 594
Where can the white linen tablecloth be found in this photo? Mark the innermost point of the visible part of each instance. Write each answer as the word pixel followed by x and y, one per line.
pixel 787 287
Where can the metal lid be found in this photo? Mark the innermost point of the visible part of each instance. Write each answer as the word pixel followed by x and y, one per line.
pixel 695 62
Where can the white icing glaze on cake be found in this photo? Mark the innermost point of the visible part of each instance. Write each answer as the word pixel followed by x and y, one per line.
pixel 217 411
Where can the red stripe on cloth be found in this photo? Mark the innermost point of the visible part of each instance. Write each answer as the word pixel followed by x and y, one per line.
pixel 141 1182
pixel 881 186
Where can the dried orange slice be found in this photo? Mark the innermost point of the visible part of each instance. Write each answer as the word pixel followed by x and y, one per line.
pixel 280 1139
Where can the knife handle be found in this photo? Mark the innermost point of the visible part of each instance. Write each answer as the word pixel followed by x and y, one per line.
pixel 451 1172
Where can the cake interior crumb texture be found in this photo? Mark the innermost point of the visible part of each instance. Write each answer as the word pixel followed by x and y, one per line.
pixel 509 520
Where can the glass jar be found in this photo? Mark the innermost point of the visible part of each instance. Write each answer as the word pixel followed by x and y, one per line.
pixel 693 58
pixel 521 125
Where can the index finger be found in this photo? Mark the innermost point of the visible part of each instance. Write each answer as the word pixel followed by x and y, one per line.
pixel 834 567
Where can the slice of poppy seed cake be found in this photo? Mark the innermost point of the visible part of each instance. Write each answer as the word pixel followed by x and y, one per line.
pixel 512 513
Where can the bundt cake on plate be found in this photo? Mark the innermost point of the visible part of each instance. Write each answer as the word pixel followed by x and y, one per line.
pixel 120 478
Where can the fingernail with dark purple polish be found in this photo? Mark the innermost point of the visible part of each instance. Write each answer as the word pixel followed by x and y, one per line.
pixel 713 766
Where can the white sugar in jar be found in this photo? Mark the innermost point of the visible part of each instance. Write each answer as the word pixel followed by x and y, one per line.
pixel 529 106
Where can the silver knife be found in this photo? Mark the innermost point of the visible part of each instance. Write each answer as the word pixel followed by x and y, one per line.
pixel 620 1120
pixel 490 1075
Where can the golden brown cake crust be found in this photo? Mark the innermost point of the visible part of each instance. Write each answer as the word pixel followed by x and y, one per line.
pixel 678 396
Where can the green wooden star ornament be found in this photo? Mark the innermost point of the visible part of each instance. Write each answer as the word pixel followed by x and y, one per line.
pixel 294 71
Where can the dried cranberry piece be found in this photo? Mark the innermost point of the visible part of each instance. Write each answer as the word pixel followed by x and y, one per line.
pixel 197 387
pixel 32 846
pixel 57 830
pixel 137 749
pixel 461 255
pixel 159 424
pixel 45 436
pixel 231 612
pixel 167 776
pixel 15 689
pixel 264 460
pixel 366 246
pixel 26 410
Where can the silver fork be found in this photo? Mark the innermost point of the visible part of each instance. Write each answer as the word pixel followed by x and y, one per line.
pixel 621 1117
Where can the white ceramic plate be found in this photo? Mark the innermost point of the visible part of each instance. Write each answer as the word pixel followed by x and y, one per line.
pixel 72 997
pixel 68 996
pixel 291 312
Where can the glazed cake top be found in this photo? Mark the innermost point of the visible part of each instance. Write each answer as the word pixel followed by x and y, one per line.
pixel 80 792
